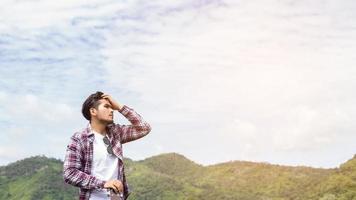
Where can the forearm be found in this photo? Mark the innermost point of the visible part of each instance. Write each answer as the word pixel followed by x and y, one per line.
pixel 135 119
pixel 138 128
pixel 73 168
pixel 80 179
pixel 119 107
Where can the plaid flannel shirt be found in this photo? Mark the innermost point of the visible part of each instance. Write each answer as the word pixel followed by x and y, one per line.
pixel 79 155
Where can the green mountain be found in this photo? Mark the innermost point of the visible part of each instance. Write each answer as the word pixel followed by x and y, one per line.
pixel 339 185
pixel 173 177
pixel 33 179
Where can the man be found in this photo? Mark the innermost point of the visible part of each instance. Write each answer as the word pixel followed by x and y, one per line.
pixel 94 159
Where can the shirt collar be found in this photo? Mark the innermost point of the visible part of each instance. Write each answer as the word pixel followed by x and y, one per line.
pixel 90 132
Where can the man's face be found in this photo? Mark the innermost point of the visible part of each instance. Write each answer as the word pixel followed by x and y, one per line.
pixel 104 112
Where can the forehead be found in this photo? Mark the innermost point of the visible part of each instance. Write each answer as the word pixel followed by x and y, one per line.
pixel 103 102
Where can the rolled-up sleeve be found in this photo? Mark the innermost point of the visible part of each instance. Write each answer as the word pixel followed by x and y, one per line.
pixel 138 128
pixel 73 170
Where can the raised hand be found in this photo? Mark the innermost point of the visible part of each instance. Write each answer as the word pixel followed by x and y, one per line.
pixel 115 105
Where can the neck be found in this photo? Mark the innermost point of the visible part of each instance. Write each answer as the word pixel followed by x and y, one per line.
pixel 98 127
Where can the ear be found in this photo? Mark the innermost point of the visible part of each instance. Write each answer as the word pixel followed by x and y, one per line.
pixel 92 111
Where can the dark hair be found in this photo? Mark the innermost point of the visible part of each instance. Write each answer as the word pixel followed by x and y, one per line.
pixel 91 102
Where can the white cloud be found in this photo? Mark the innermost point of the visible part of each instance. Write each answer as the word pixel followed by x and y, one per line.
pixel 30 122
pixel 245 62
pixel 9 153
pixel 42 14
pixel 256 80
pixel 36 109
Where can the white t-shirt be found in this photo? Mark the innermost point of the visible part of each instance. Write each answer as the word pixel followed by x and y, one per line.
pixel 105 166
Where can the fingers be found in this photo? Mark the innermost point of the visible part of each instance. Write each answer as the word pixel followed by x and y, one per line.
pixel 116 185
pixel 116 190
pixel 119 186
pixel 105 96
pixel 115 105
pixel 108 97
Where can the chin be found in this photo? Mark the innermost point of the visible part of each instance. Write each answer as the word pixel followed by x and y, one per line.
pixel 109 121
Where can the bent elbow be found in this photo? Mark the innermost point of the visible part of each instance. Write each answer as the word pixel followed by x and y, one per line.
pixel 68 174
pixel 148 128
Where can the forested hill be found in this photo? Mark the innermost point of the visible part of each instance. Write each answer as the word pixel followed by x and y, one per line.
pixel 174 177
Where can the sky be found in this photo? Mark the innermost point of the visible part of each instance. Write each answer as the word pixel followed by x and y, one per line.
pixel 264 81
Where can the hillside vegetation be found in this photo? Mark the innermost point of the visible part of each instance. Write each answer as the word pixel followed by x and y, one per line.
pixel 173 177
